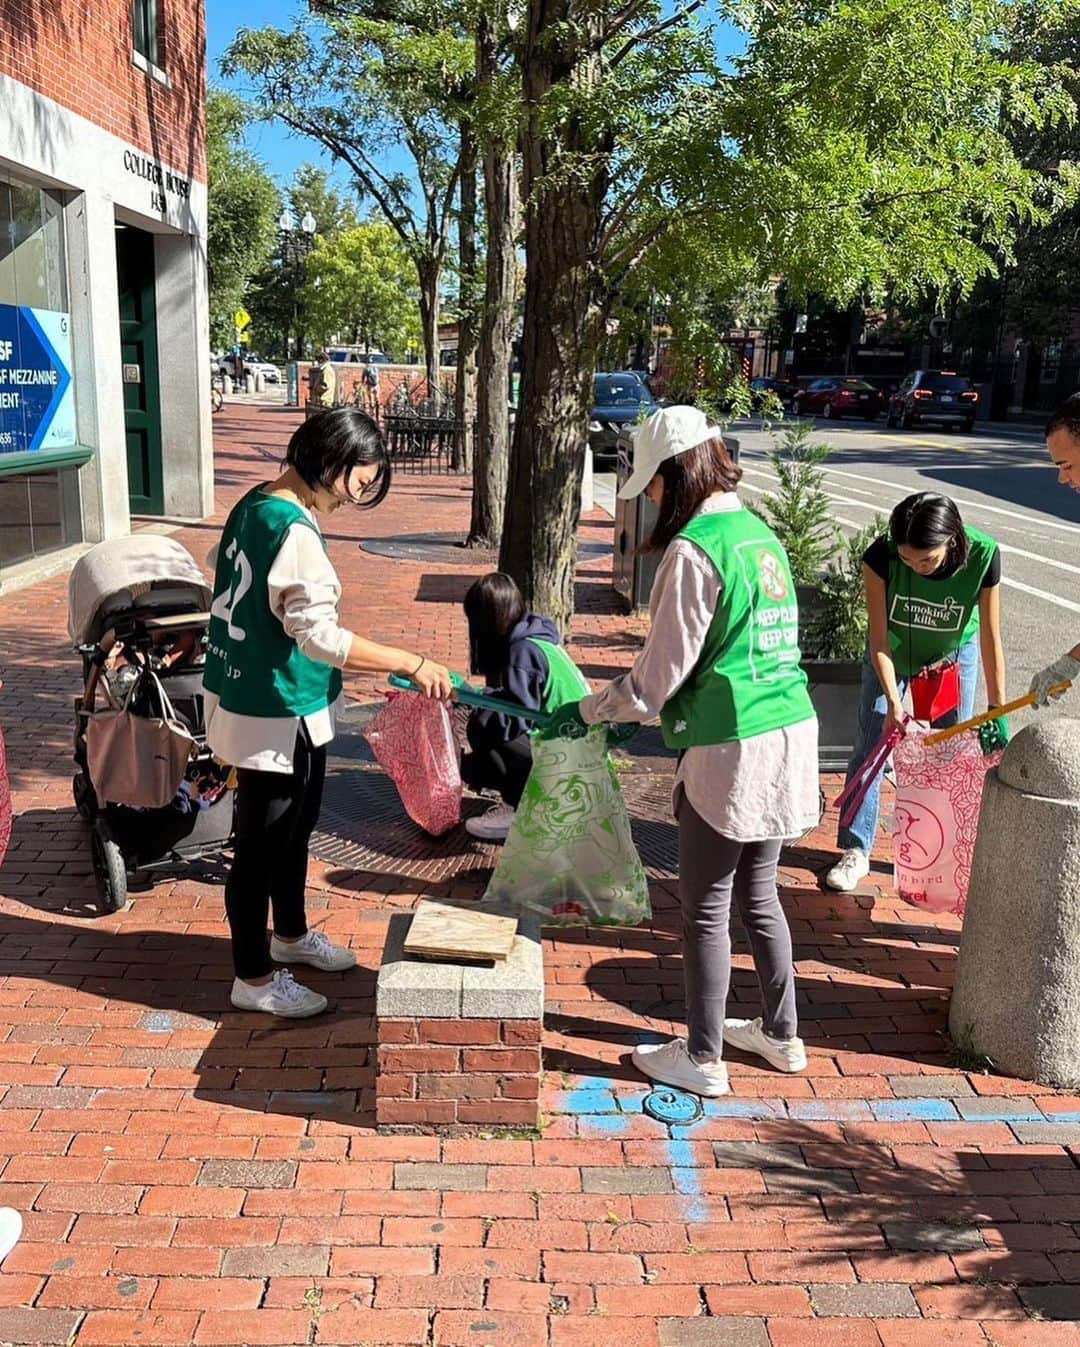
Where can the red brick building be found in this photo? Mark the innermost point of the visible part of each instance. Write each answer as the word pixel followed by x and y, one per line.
pixel 104 392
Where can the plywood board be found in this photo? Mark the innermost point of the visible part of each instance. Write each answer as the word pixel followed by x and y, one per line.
pixel 439 931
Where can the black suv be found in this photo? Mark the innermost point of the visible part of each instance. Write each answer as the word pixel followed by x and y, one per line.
pixel 934 395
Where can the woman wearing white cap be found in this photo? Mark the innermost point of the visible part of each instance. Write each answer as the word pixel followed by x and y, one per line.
pixel 721 668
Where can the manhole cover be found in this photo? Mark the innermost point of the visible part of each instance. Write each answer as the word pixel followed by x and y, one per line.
pixel 445 549
pixel 672 1106
pixel 363 826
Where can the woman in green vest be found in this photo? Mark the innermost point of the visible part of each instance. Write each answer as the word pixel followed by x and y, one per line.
pixel 521 658
pixel 276 652
pixel 932 595
pixel 721 669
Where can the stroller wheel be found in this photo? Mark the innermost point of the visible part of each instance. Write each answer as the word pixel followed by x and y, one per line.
pixel 86 804
pixel 110 869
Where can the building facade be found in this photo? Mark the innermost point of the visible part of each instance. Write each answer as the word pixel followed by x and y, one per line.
pixel 104 373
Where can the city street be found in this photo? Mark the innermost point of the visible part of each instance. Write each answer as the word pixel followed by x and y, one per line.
pixel 1004 484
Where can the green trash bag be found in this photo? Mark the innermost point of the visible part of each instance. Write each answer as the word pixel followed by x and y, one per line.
pixel 570 856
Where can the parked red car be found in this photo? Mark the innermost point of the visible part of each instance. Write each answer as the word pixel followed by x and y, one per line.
pixel 839 396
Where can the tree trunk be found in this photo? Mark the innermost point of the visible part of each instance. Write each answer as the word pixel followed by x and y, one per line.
pixel 429 271
pixel 492 456
pixel 563 320
pixel 465 389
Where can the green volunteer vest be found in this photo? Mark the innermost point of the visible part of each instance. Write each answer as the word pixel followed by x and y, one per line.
pixel 748 679
pixel 565 681
pixel 253 667
pixel 930 619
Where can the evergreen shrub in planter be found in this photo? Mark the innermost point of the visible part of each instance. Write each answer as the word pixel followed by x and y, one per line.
pixel 826 565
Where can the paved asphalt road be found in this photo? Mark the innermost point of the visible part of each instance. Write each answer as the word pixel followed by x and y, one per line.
pixel 1004 484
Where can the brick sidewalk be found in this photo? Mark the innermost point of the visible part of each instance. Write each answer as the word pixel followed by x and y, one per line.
pixel 191 1174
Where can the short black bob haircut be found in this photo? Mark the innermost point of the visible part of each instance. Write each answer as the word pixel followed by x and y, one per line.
pixel 926 521
pixel 1067 417
pixel 334 442
pixel 494 607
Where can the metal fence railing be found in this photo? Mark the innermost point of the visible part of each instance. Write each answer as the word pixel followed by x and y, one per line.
pixel 420 441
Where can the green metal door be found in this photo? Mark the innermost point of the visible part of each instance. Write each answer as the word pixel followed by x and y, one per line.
pixel 139 354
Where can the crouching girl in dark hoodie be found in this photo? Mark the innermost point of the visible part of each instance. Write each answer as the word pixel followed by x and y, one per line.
pixel 521 659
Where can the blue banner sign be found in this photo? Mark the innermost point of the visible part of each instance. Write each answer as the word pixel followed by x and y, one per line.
pixel 37 403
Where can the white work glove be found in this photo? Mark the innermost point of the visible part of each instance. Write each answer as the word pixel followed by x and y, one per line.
pixel 1063 670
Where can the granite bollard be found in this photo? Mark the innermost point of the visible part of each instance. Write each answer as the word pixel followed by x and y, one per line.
pixel 1017 995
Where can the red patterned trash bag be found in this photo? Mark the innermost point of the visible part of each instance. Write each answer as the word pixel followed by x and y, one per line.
pixel 5 802
pixel 413 739
pixel 938 799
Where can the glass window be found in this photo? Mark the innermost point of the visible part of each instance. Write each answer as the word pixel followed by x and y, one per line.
pixel 945 383
pixel 39 512
pixel 146 43
pixel 32 270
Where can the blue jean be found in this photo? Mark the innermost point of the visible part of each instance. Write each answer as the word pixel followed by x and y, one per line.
pixel 862 830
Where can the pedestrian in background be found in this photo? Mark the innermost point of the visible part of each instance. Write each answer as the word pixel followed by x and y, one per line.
pixel 322 384
pixel 1063 442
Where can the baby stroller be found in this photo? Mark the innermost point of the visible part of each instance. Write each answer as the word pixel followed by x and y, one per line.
pixel 138 614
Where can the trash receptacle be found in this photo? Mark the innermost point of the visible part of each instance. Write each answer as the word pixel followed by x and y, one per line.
pixel 633 574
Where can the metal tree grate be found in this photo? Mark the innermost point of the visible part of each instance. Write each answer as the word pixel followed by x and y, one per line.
pixel 364 827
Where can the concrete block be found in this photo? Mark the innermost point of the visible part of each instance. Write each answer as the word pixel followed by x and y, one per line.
pixel 718 1332
pixel 933 1237
pixel 931 1087
pixel 1017 993
pixel 867 1300
pixel 412 988
pixel 513 990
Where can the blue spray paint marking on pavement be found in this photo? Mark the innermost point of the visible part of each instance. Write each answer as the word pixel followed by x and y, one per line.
pixel 686 1176
pixel 608 1126
pixel 830 1110
pixel 914 1110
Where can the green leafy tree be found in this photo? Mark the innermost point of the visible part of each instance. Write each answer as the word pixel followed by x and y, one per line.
pixel 360 85
pixel 243 205
pixel 361 288
pixel 896 171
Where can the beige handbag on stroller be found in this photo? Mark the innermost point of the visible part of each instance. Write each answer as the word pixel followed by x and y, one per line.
pixel 137 759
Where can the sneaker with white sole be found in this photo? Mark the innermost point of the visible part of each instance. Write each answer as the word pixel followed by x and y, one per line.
pixel 786 1054
pixel 671 1064
pixel 852 867
pixel 313 949
pixel 492 826
pixel 282 995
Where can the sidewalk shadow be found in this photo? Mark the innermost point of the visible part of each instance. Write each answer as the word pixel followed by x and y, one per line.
pixel 181 982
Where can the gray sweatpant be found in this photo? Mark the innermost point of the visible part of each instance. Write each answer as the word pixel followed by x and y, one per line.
pixel 711 868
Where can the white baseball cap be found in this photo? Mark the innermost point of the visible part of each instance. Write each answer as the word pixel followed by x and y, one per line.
pixel 666 433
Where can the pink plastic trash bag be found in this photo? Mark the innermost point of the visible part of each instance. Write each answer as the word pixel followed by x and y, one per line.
pixel 938 798
pixel 414 742
pixel 5 802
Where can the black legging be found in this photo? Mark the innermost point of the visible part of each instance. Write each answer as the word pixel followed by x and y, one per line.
pixel 504 767
pixel 274 816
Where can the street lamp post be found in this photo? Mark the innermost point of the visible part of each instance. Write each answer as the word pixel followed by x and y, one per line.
pixel 296 244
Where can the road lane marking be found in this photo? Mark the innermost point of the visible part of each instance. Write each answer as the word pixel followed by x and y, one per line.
pixel 1041 594
pixel 967 504
pixel 1005 547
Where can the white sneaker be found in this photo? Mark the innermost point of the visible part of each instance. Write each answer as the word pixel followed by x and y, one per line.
pixel 492 826
pixel 282 995
pixel 853 866
pixel 672 1064
pixel 313 949
pixel 786 1054
pixel 10 1230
